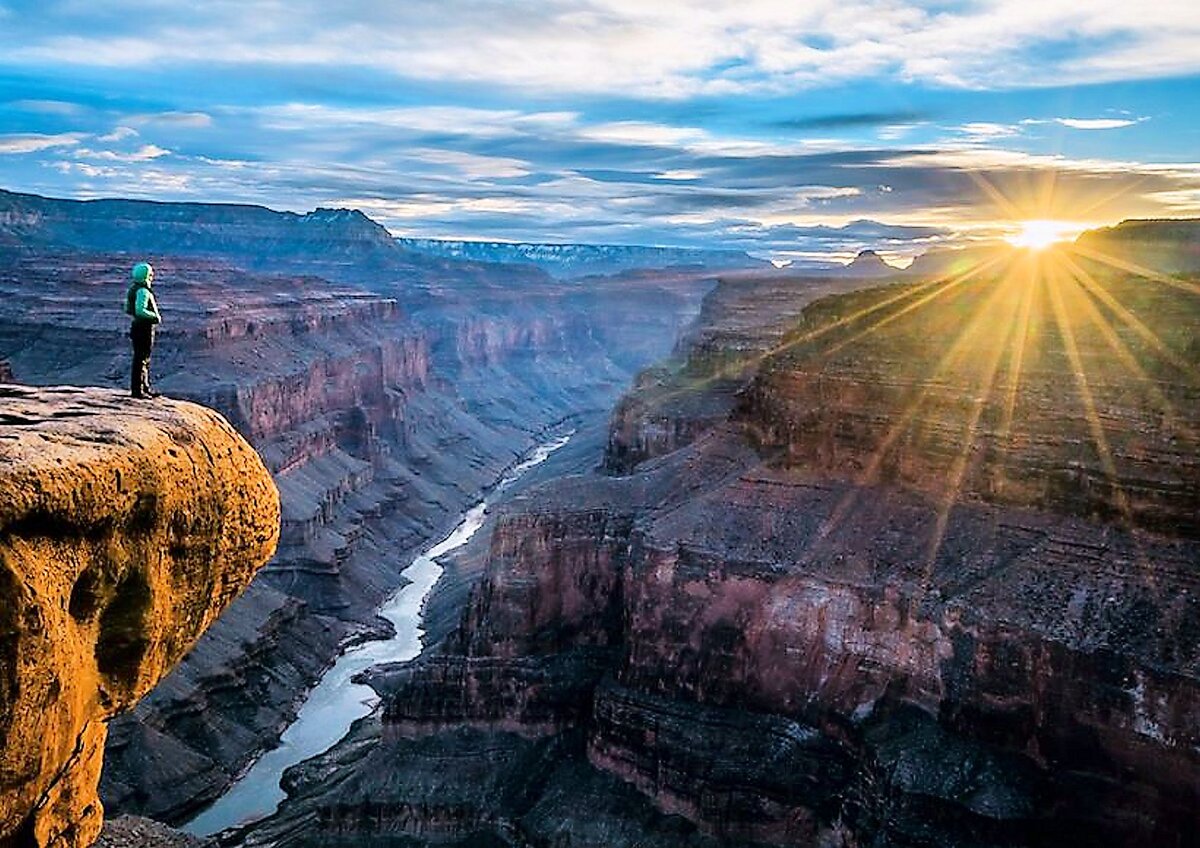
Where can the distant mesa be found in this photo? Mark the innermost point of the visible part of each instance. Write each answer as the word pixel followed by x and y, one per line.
pixel 868 263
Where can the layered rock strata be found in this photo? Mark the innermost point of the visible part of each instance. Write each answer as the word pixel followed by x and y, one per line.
pixel 125 529
pixel 740 322
pixel 932 580
pixel 385 394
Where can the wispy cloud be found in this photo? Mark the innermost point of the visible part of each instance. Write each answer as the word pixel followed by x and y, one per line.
pixel 668 49
pixel 48 107
pixel 33 142
pixel 176 118
pixel 145 153
pixel 850 119
pixel 1097 123
pixel 988 130
pixel 119 134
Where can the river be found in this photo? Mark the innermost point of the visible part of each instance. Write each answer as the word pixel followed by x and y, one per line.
pixel 336 702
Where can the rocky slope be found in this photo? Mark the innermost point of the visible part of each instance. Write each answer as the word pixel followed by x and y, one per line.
pixel 134 832
pixel 926 574
pixel 384 397
pixel 739 323
pixel 125 529
pixel 1167 246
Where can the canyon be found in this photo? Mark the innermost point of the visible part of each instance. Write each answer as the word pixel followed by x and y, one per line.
pixel 385 392
pixel 830 560
pixel 914 564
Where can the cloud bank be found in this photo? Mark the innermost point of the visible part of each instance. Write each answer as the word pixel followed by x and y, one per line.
pixel 790 129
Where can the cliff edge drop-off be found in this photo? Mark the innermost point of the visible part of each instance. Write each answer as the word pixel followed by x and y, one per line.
pixel 126 527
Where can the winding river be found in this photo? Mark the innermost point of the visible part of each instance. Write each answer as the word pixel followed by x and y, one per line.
pixel 336 702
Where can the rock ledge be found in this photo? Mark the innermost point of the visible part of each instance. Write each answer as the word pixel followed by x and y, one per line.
pixel 126 527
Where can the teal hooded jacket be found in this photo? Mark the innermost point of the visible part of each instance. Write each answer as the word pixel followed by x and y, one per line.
pixel 139 300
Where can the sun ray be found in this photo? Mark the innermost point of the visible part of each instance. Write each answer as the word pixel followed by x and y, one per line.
pixel 950 281
pixel 1016 363
pixel 1062 320
pixel 1136 269
pixel 1005 205
pixel 870 472
pixel 1100 200
pixel 1049 185
pixel 917 304
pixel 1082 302
pixel 1136 324
pixel 734 368
pixel 983 394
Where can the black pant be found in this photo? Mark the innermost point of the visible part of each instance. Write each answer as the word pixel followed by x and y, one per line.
pixel 142 334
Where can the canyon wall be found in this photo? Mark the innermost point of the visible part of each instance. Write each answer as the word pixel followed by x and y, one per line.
pixel 125 529
pixel 922 571
pixel 383 394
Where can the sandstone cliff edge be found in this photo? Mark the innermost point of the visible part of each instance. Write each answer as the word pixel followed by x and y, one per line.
pixel 126 527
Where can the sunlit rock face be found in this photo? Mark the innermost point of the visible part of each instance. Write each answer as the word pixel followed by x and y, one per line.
pixel 903 580
pixel 1165 246
pixel 1036 383
pixel 126 527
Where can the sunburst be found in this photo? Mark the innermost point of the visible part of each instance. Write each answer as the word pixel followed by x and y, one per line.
pixel 1049 326
pixel 1041 233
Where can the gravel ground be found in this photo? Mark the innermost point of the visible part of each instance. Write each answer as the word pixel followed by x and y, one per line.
pixel 134 832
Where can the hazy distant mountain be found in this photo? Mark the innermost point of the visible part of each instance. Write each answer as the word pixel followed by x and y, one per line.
pixel 868 263
pixel 579 260
pixel 255 235
pixel 339 244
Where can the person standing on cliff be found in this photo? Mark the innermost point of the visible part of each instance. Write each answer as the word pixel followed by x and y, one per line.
pixel 141 307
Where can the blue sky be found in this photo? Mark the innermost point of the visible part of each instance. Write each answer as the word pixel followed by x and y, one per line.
pixel 792 129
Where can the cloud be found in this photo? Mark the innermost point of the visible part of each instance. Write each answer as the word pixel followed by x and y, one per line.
pixel 473 165
pixel 852 119
pixel 119 134
pixel 33 142
pixel 987 131
pixel 48 107
pixel 642 133
pixel 143 154
pixel 179 119
pixel 1097 123
pixel 677 175
pixel 666 49
pixel 663 122
pixel 458 120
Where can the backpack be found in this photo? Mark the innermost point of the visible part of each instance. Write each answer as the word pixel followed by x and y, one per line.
pixel 131 301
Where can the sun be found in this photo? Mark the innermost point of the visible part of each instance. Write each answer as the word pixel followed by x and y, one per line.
pixel 1040 234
